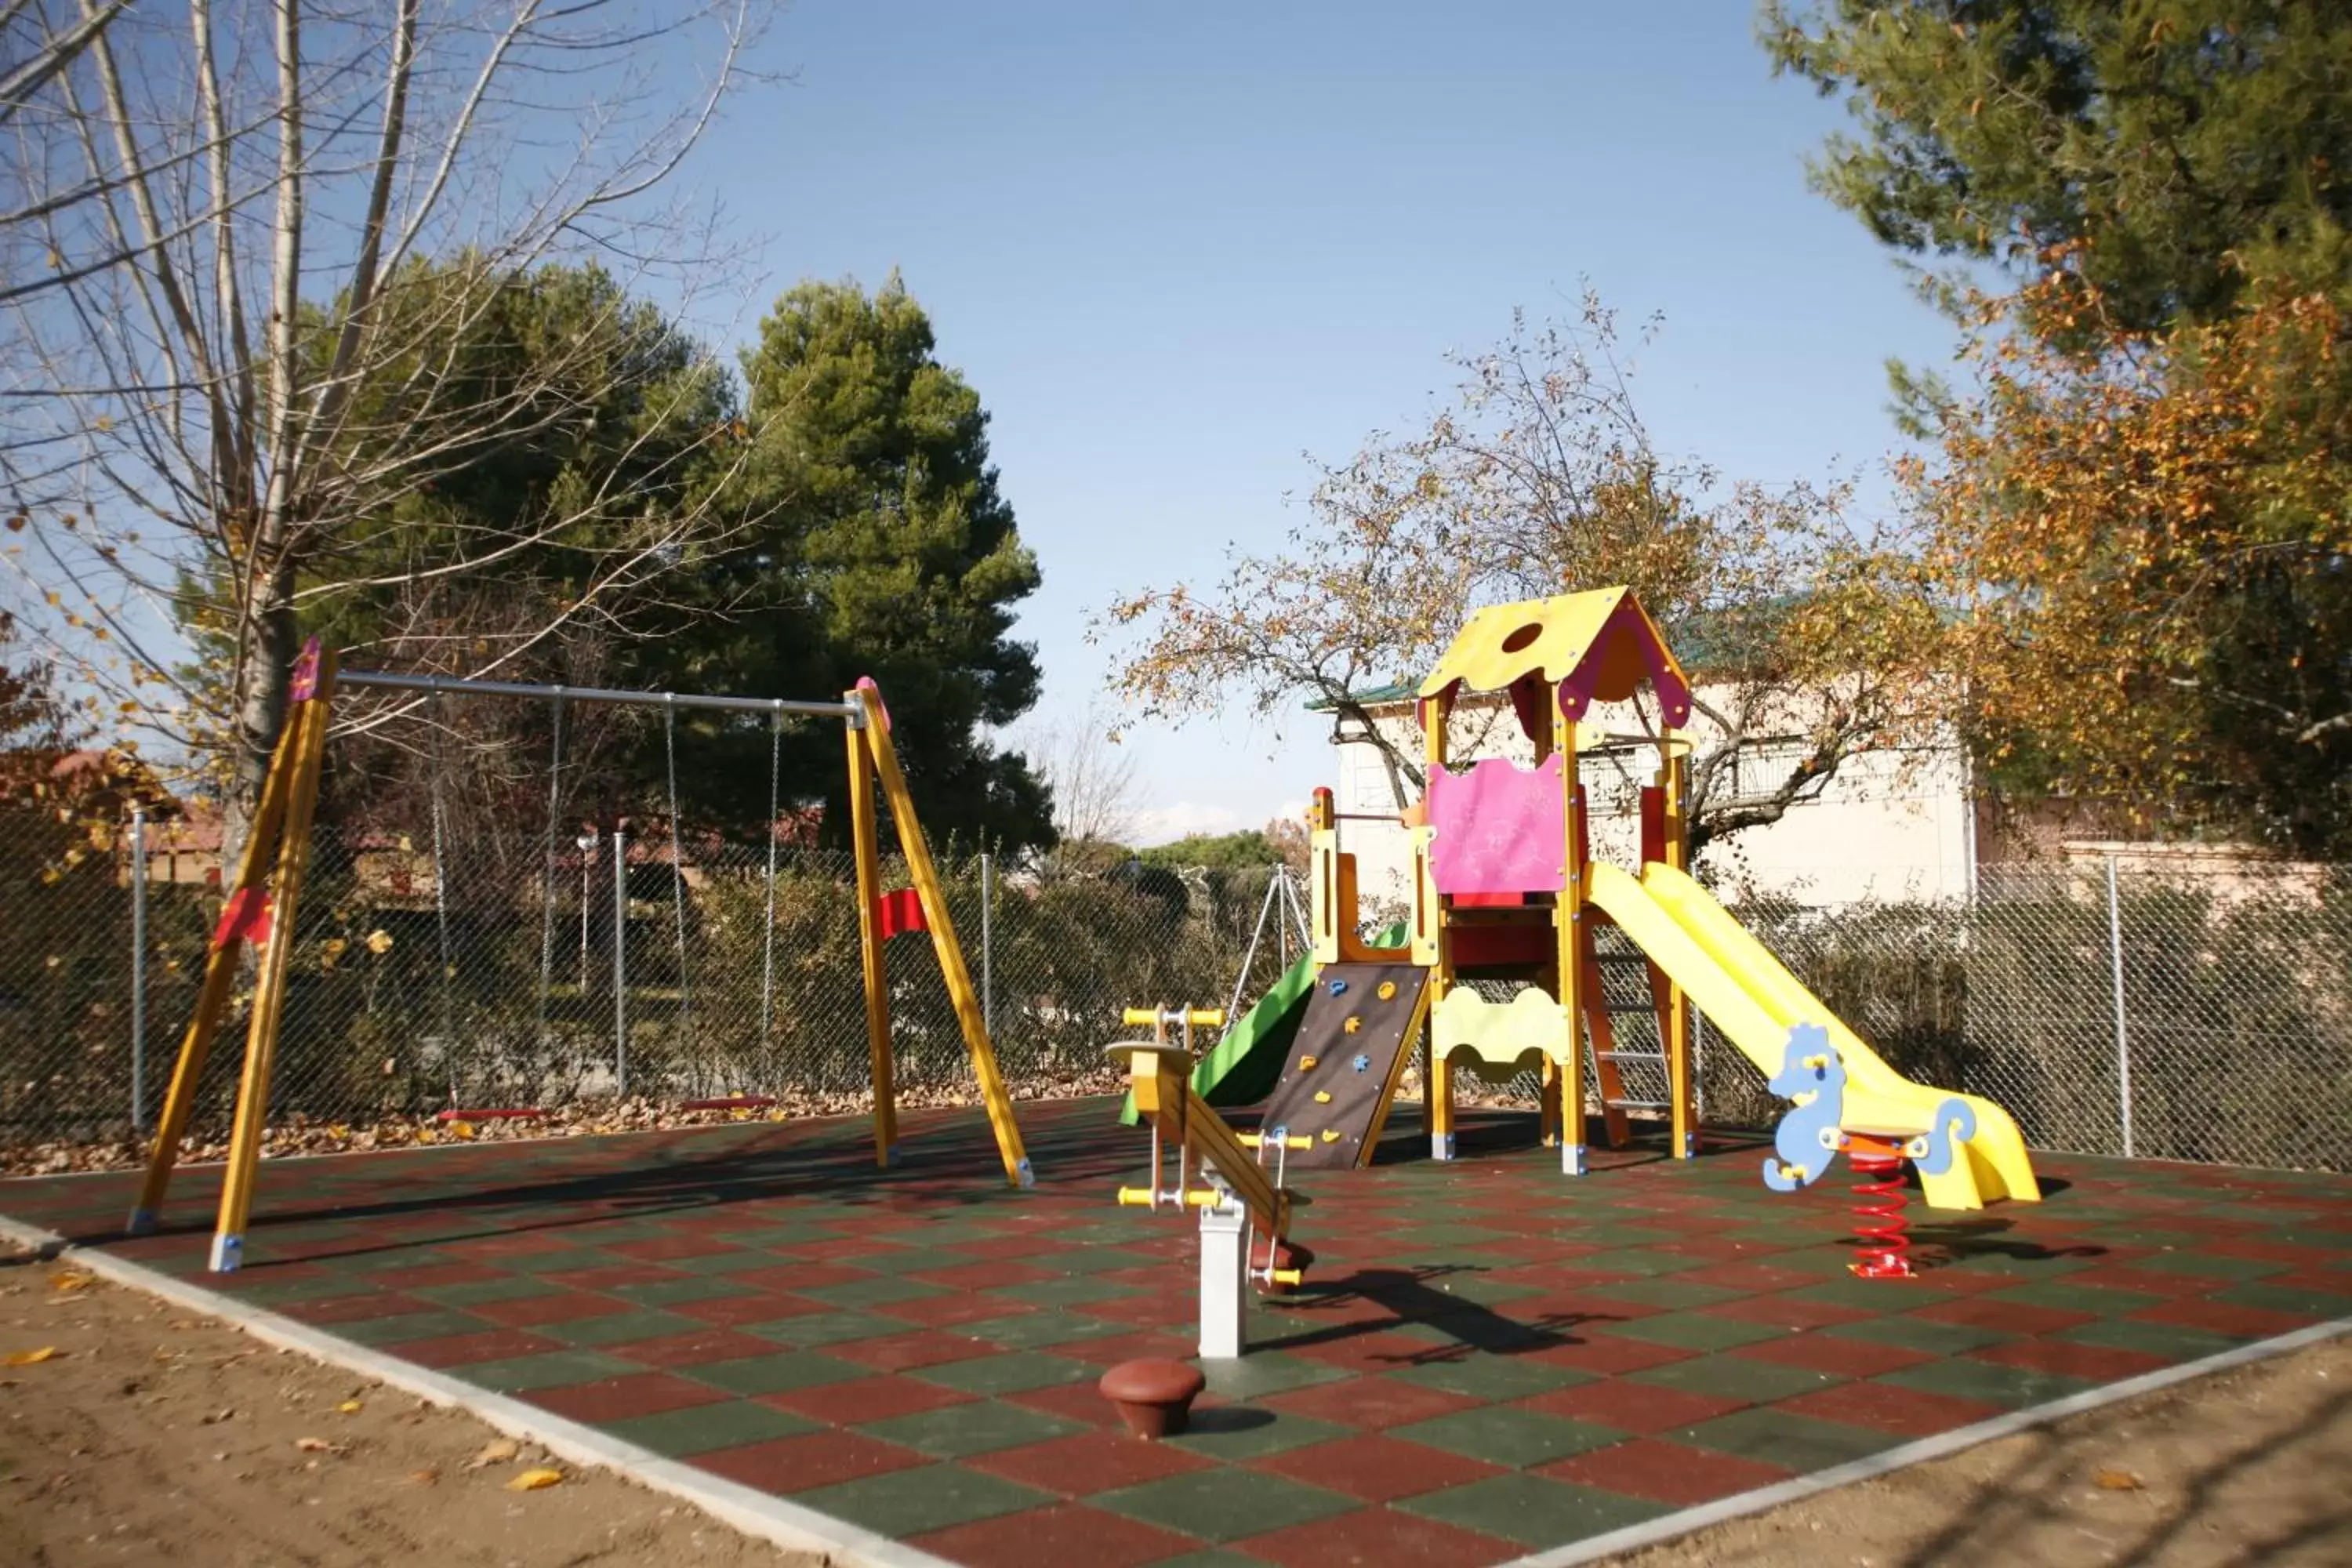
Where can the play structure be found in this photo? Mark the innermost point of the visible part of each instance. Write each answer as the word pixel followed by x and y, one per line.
pixel 263 897
pixel 1508 898
pixel 1244 1210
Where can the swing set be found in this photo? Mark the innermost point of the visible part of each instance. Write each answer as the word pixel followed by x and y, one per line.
pixel 264 894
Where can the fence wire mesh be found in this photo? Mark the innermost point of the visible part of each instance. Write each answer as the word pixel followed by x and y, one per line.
pixel 2112 1009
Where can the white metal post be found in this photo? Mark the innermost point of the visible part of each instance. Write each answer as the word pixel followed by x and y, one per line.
pixel 2123 1035
pixel 138 969
pixel 620 963
pixel 1224 1278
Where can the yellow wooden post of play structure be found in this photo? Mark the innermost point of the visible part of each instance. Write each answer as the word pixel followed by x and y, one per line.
pixel 310 727
pixel 222 959
pixel 874 728
pixel 1673 778
pixel 1437 1073
pixel 869 858
pixel 1569 918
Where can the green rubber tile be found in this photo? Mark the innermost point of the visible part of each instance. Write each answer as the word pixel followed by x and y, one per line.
pixel 1255 1377
pixel 1075 1260
pixel 1506 1434
pixel 1785 1438
pixel 1638 1261
pixel 396 1331
pixel 2309 1303
pixel 1492 1378
pixel 775 1374
pixel 1737 1377
pixel 1987 1382
pixel 1863 1295
pixel 1532 1510
pixel 671 1292
pixel 811 1328
pixel 1237 1434
pixel 1015 1372
pixel 730 1424
pixel 739 1261
pixel 879 1291
pixel 1663 1290
pixel 1221 1505
pixel 928 1496
pixel 571 1261
pixel 476 1292
pixel 1483 1292
pixel 2173 1342
pixel 548 1368
pixel 1994 1261
pixel 891 1260
pixel 620 1328
pixel 1031 1330
pixel 2097 1299
pixel 1076 1290
pixel 1693 1330
pixel 1211 1557
pixel 979 1427
pixel 1920 1334
pixel 2207 1266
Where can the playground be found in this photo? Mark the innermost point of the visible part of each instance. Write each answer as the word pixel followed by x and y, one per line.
pixel 1339 1325
pixel 1486 1362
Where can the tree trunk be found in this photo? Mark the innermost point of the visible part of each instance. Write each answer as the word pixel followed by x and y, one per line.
pixel 266 668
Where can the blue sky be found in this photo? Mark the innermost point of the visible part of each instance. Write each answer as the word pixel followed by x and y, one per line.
pixel 1175 247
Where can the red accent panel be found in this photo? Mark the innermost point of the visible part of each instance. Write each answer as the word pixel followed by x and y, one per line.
pixel 1479 947
pixel 303 685
pixel 1490 900
pixel 900 911
pixel 1653 824
pixel 245 918
pixel 865 683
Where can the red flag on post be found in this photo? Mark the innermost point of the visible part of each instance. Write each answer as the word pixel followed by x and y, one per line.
pixel 900 911
pixel 246 918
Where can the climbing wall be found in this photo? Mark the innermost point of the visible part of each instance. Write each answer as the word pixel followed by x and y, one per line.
pixel 1361 1022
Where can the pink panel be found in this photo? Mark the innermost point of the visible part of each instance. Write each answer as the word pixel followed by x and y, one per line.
pixel 1500 828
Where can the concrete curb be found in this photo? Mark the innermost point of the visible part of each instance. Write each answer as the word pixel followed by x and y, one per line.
pixel 1634 1537
pixel 754 1512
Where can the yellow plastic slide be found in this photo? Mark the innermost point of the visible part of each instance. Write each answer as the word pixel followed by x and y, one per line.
pixel 1752 1001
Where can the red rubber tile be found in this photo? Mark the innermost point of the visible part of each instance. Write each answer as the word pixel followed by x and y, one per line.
pixel 356 1308
pixel 994 1274
pixel 693 1348
pixel 865 1399
pixel 1786 1312
pixel 1750 1275
pixel 2222 1318
pixel 1367 1404
pixel 619 1398
pixel 1884 1407
pixel 1611 1355
pixel 2007 1316
pixel 1664 1472
pixel 1815 1353
pixel 559 1307
pixel 1071 1401
pixel 1065 1534
pixel 1638 1407
pixel 812 1460
pixel 662 1248
pixel 953 1307
pixel 2065 1356
pixel 464 1350
pixel 1377 1469
pixel 916 1347
pixel 733 1311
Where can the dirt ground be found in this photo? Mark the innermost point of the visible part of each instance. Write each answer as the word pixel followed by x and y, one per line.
pixel 2252 1465
pixel 150 1434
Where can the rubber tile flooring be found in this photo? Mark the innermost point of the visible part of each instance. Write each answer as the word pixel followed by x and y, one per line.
pixel 1489 1358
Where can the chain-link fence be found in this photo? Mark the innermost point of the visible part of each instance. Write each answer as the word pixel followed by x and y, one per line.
pixel 2111 1008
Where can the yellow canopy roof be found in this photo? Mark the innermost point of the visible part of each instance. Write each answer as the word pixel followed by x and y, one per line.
pixel 1600 643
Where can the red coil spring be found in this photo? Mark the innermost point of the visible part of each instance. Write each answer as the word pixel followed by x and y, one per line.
pixel 1882 1251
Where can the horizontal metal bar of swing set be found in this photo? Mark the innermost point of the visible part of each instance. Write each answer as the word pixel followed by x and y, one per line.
pixel 377 681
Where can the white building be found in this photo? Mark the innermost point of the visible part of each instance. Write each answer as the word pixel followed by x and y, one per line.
pixel 1887 825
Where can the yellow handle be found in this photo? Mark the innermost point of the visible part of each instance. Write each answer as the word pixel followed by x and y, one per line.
pixel 1288 1277
pixel 1290 1140
pixel 1135 1197
pixel 1198 1017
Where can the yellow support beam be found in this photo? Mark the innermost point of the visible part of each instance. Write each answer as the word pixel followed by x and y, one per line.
pixel 868 857
pixel 1162 1083
pixel 874 732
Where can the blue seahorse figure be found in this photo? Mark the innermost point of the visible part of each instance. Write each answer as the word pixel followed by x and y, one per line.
pixel 1955 1123
pixel 1812 1077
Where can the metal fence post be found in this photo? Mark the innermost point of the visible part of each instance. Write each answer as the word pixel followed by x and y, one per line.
pixel 2123 1034
pixel 620 963
pixel 138 969
pixel 988 942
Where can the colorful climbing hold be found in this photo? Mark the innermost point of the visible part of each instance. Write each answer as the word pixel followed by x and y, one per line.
pixel 1361 1064
pixel 1351 1025
pixel 1387 990
pixel 1331 1135
pixel 1338 988
pixel 1322 1097
pixel 1307 1064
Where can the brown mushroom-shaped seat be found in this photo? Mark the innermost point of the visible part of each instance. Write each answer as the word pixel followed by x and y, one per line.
pixel 1154 1396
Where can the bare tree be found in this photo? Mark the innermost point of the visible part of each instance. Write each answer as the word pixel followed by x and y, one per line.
pixel 1092 777
pixel 263 232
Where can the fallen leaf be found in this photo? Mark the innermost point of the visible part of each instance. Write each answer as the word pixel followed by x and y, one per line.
pixel 348 1408
pixel 68 1279
pixel 29 1358
pixel 317 1445
pixel 496 1452
pixel 2117 1481
pixel 532 1480
pixel 425 1477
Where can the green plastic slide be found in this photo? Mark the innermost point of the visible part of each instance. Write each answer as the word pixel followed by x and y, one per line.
pixel 1242 1068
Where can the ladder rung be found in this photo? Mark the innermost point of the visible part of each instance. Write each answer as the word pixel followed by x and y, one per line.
pixel 1638 1104
pixel 1630 1056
